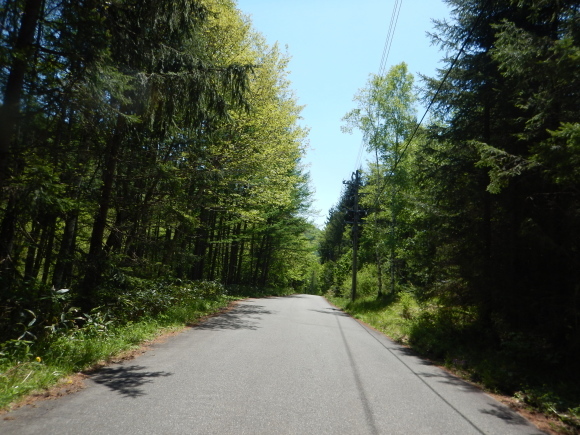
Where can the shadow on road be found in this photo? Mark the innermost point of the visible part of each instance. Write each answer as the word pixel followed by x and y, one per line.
pixel 244 316
pixel 126 380
pixel 505 414
pixel 407 351
pixel 332 311
pixel 448 378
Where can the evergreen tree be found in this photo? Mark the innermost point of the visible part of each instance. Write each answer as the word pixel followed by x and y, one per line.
pixel 155 148
pixel 510 116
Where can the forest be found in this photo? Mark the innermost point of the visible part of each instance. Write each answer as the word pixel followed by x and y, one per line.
pixel 151 155
pixel 473 215
pixel 143 142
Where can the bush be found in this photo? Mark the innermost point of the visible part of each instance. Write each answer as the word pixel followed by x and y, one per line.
pixel 367 281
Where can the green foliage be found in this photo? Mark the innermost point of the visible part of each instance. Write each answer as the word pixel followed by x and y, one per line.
pixel 157 141
pixel 385 112
pixel 553 404
pixel 386 117
pixel 15 350
pixel 503 263
pixel 477 217
pixel 390 314
pixel 32 365
pixel 367 280
pixel 559 156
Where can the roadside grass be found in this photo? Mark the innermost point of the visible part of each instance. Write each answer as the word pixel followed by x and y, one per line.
pixel 389 315
pixel 70 342
pixel 450 337
pixel 30 366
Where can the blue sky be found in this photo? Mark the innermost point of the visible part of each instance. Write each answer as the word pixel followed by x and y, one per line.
pixel 334 46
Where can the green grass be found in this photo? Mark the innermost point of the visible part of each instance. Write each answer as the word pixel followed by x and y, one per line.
pixel 144 311
pixel 452 338
pixel 26 366
pixel 390 315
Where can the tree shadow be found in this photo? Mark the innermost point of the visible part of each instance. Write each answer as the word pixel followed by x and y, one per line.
pixel 505 414
pixel 450 379
pixel 244 316
pixel 126 380
pixel 408 351
pixel 332 311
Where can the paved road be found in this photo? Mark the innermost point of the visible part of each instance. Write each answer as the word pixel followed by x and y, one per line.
pixel 291 365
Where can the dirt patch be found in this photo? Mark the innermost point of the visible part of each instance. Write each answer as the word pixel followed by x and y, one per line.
pixel 548 424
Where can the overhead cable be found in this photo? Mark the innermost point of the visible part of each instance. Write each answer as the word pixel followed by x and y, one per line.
pixel 382 65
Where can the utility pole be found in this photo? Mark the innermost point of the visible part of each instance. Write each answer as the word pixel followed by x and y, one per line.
pixel 355 180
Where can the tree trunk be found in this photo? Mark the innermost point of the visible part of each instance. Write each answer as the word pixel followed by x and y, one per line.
pixel 64 263
pixel 23 53
pixel 267 261
pixel 379 271
pixel 115 239
pixel 238 277
pixel 215 247
pixel 7 236
pixel 48 253
pixel 32 250
pixel 200 247
pixel 95 258
pixel 486 308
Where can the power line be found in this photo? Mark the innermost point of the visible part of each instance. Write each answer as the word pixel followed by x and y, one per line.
pixel 360 153
pixel 382 65
pixel 390 34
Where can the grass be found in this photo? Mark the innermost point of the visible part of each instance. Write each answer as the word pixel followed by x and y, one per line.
pixel 386 315
pixel 145 311
pixel 452 338
pixel 27 367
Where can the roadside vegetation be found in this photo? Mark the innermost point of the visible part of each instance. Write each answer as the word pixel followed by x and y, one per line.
pixel 64 340
pixel 151 172
pixel 465 221
pixel 520 368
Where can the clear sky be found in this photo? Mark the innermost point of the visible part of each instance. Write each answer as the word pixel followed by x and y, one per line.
pixel 334 46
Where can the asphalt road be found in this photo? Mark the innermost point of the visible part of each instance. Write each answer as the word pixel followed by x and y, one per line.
pixel 291 365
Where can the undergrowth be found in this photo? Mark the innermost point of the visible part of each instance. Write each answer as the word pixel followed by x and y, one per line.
pixel 59 339
pixel 513 364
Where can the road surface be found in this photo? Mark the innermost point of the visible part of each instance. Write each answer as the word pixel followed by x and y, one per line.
pixel 287 365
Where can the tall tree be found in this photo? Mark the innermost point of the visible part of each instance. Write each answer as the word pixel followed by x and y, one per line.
pixel 386 116
pixel 169 80
pixel 510 128
pixel 142 157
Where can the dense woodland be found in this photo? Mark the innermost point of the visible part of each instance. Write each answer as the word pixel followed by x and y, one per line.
pixel 143 140
pixel 147 141
pixel 150 158
pixel 476 212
